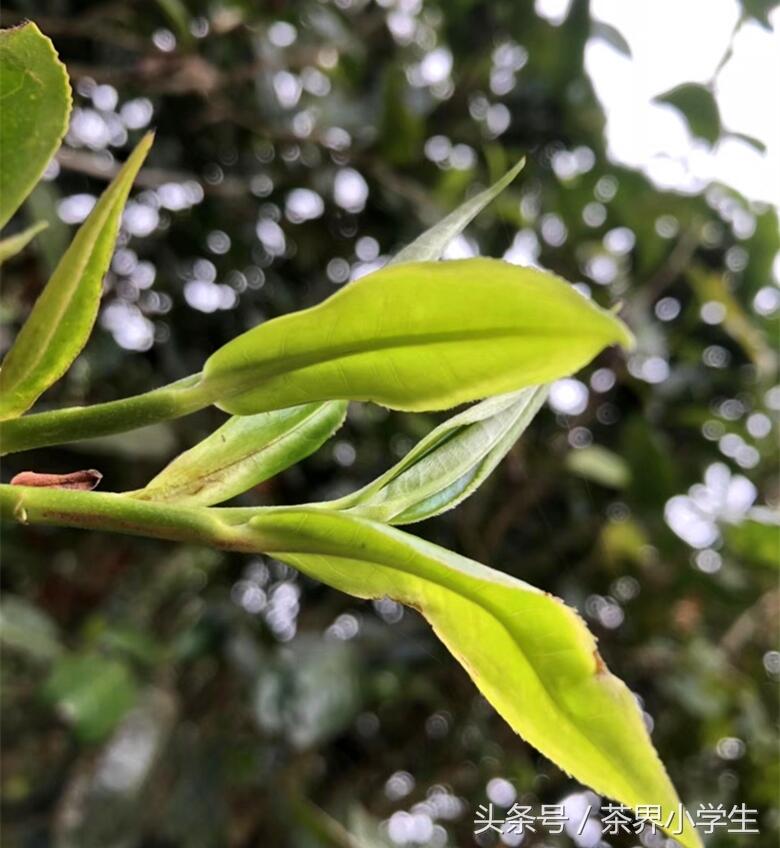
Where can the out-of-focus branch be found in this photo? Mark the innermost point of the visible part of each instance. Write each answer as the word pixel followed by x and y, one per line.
pixel 101 168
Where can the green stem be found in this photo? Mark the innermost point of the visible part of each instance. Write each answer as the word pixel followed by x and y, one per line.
pixel 102 419
pixel 120 514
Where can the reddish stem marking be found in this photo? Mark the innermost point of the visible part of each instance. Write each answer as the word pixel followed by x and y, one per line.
pixel 84 481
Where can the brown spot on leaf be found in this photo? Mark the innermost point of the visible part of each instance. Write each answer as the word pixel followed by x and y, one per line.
pixel 601 667
pixel 83 481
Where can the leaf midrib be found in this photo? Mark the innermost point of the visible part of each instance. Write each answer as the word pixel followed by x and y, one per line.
pixel 300 361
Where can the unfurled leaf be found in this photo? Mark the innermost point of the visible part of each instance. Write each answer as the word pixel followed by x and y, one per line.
pixel 699 107
pixel 599 465
pixel 36 101
pixel 416 337
pixel 449 464
pixel 61 320
pixel 243 452
pixel 91 693
pixel 15 244
pixel 531 656
pixel 432 242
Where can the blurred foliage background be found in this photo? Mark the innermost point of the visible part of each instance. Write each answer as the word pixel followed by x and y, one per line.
pixel 157 696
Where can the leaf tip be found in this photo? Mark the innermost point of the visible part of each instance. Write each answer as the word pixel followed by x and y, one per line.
pixel 625 338
pixel 146 141
pixel 515 170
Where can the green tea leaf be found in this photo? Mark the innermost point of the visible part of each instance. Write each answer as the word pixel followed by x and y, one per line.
pixel 243 452
pixel 36 102
pixel 415 337
pixel 432 242
pixel 91 692
pixel 61 320
pixel 530 655
pixel 449 464
pixel 15 244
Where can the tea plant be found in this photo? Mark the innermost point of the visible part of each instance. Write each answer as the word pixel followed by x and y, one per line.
pixel 417 335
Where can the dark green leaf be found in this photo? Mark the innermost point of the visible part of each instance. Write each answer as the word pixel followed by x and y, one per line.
pixel 698 105
pixel 36 100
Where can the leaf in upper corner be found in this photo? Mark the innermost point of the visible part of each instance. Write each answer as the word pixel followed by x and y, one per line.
pixel 243 452
pixel 61 320
pixel 759 10
pixel 699 107
pixel 416 337
pixel 36 103
pixel 530 655
pixel 430 245
pixel 449 464
pixel 15 244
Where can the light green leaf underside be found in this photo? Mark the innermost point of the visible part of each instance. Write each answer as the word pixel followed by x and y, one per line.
pixel 15 244
pixel 61 320
pixel 35 101
pixel 530 655
pixel 243 452
pixel 432 242
pixel 449 464
pixel 416 337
